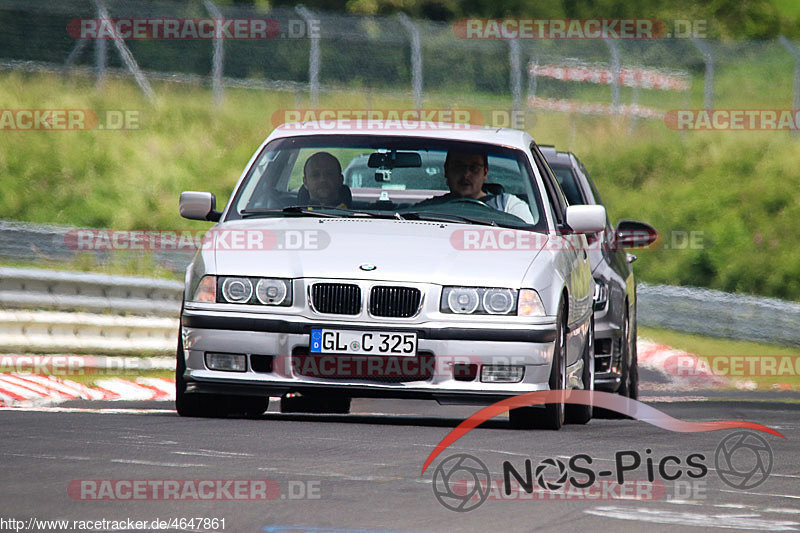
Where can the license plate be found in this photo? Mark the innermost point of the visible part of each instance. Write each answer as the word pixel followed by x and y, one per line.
pixel 363 342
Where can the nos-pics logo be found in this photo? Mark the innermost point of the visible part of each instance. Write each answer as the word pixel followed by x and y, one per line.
pixel 462 482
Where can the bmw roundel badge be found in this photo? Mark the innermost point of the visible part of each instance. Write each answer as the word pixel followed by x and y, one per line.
pixel 367 267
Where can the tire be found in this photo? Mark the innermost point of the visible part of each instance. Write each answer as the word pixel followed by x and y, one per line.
pixel 211 405
pixel 552 415
pixel 629 382
pixel 576 413
pixel 633 391
pixel 315 403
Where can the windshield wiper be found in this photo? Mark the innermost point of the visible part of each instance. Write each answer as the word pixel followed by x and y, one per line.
pixel 446 217
pixel 301 210
pixel 317 211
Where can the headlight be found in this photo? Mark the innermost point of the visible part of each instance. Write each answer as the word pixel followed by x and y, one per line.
pixel 254 291
pixel 499 301
pixel 462 300
pixel 237 290
pixel 478 301
pixel 272 291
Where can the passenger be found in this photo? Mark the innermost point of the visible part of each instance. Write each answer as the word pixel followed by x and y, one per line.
pixel 323 183
pixel 466 174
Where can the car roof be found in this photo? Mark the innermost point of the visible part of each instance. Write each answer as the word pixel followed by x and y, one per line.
pixel 427 158
pixel 433 130
pixel 554 157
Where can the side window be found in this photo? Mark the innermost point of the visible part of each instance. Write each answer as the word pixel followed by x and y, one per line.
pixel 554 192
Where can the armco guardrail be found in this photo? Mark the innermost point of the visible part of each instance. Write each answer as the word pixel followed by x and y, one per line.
pixel 39 243
pixel 37 331
pixel 719 314
pixel 30 288
pixel 46 311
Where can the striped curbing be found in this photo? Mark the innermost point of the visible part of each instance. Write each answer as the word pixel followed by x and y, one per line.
pixel 19 389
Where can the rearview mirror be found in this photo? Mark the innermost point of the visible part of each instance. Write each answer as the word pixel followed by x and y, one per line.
pixel 394 159
pixel 196 205
pixel 586 218
pixel 635 234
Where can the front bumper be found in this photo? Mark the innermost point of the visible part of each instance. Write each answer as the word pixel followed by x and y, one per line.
pixel 277 354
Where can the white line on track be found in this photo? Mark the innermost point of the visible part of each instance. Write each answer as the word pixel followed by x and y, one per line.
pixel 155 463
pixel 213 453
pixel 720 520
pixel 43 456
pixel 792 496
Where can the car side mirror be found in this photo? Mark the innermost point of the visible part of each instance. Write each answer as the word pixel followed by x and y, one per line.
pixel 635 234
pixel 196 205
pixel 586 218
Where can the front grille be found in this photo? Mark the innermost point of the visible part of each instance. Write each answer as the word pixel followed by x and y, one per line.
pixel 394 302
pixel 336 298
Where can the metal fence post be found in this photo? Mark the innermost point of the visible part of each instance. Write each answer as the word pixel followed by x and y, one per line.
pixel 516 75
pixel 612 48
pixel 708 83
pixel 124 53
pixel 533 82
pixel 792 49
pixel 533 79
pixel 75 52
pixel 416 58
pixel 219 54
pixel 632 121
pixel 100 52
pixel 313 57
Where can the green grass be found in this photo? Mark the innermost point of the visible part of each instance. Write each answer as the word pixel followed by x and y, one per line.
pixel 704 345
pixel 712 347
pixel 738 193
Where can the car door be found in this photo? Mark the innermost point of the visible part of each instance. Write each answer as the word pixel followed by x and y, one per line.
pixel 573 252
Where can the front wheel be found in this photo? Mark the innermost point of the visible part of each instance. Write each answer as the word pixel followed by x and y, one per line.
pixel 577 413
pixel 552 416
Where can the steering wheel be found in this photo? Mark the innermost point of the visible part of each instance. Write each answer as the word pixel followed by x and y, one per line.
pixel 469 201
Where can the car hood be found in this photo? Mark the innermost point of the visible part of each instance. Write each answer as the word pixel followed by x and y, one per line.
pixel 348 248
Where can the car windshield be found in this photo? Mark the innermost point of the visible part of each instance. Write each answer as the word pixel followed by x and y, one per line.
pixel 391 177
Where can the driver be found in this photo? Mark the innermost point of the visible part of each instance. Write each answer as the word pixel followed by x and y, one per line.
pixel 466 173
pixel 323 183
